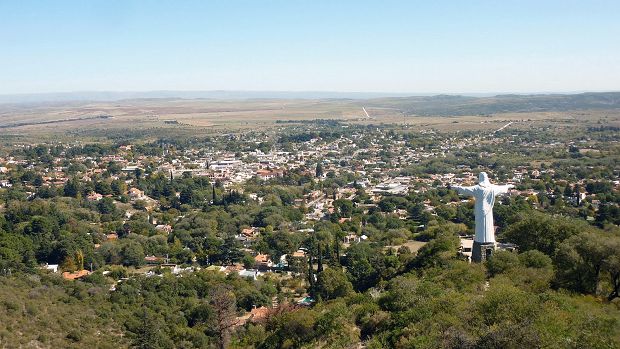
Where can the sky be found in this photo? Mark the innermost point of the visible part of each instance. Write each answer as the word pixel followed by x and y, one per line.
pixel 319 45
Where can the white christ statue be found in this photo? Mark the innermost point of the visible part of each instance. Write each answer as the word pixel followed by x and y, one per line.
pixel 484 193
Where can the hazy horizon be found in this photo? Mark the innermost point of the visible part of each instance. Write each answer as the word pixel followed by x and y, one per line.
pixel 105 96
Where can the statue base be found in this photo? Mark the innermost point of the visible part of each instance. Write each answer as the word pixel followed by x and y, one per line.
pixel 481 251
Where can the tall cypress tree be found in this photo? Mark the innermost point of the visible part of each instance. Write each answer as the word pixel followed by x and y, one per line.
pixel 319 170
pixel 319 267
pixel 310 275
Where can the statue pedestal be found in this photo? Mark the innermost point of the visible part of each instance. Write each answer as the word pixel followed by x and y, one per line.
pixel 481 251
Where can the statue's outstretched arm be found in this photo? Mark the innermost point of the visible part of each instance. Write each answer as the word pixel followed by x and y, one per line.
pixel 503 189
pixel 469 191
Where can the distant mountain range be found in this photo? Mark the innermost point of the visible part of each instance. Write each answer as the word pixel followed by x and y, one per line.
pixel 449 105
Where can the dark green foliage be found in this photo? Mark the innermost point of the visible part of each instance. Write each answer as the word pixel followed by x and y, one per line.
pixel 132 254
pixel 332 283
pixel 437 251
pixel 319 170
pixel 72 188
pixel 106 206
pixel 229 252
pixel 501 262
pixel 585 261
pixel 538 231
pixel 147 330
pixel 535 259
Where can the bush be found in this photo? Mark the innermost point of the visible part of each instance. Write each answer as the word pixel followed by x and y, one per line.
pixel 502 261
pixel 535 259
pixel 74 335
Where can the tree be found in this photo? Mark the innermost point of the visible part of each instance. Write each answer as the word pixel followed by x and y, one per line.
pixel 187 196
pixel 361 261
pixel 296 265
pixel 138 173
pixel 437 252
pixel 319 170
pixel 71 188
pixel 224 304
pixel 16 251
pixel 535 259
pixel 248 261
pixel 139 205
pixel 113 167
pixel 280 243
pixel 118 187
pixel 386 205
pixel 68 264
pixel 311 276
pixel 103 188
pixel 148 330
pixel 214 195
pixel 420 215
pixel 506 313
pixel 332 283
pixel 38 180
pixel 79 259
pixel 106 206
pixel 502 261
pixel 132 253
pixel 229 252
pixel 200 314
pixel 612 265
pixel 344 207
pixel 542 232
pixel 608 213
pixel 582 259
pixel 290 329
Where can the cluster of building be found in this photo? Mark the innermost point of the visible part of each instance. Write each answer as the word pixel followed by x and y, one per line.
pixel 379 163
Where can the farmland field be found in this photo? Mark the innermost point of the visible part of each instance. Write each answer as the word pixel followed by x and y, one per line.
pixel 153 118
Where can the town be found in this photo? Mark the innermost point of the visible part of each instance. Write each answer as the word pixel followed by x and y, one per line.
pixel 309 174
pixel 276 208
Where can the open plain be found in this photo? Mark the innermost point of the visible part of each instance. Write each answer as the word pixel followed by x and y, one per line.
pixel 150 119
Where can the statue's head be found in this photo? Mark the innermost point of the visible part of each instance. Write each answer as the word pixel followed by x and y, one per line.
pixel 483 179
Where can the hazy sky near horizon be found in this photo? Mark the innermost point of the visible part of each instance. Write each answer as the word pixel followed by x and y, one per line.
pixel 320 45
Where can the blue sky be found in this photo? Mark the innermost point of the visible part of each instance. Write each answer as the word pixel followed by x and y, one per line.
pixel 379 46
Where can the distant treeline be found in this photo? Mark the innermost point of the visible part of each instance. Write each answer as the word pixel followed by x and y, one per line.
pixel 321 122
pixel 18 124
pixel 307 136
pixel 604 128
